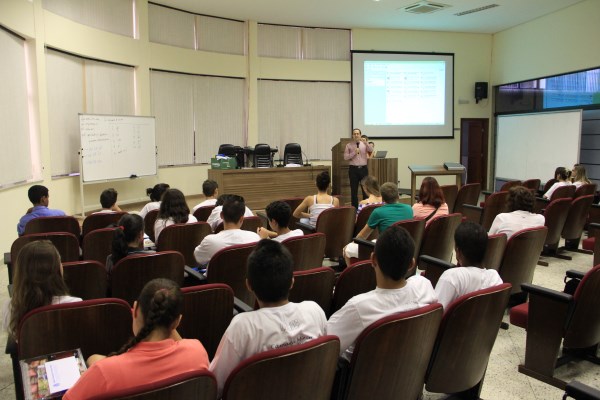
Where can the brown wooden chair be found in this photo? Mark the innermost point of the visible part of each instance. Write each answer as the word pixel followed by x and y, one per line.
pixel 549 184
pixel 337 223
pixel 85 279
pixel 202 213
pixel 99 221
pixel 207 312
pixel 467 194
pixel 553 317
pixel 396 350
pixel 130 274
pixel 555 216
pixel 363 217
pixel 97 245
pixel 293 202
pixel 464 342
pixel 308 250
pixel 314 284
pixel 183 238
pixel 585 190
pixel 450 194
pixel 575 222
pixel 433 268
pixel 149 221
pixel 563 192
pixel 53 224
pixel 416 229
pixel 494 205
pixel 200 384
pixel 355 279
pixel 532 184
pixel 438 238
pixel 304 371
pixel 494 251
pixel 249 224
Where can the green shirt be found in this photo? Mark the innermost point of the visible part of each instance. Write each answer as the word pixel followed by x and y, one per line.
pixel 383 217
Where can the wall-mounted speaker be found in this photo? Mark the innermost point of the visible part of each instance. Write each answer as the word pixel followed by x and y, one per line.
pixel 481 91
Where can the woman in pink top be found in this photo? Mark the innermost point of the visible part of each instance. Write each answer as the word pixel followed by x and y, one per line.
pixel 156 352
pixel 431 201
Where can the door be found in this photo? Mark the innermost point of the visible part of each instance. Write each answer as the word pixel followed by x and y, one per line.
pixel 474 149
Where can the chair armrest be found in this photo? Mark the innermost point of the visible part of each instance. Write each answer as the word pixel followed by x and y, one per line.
pixel 472 213
pixel 540 204
pixel 434 268
pixel 487 192
pixel 553 295
pixel 7 259
pixel 306 228
pixel 240 306
pixel 579 391
pixel 593 227
pixel 363 242
pixel 195 274
pixel 574 274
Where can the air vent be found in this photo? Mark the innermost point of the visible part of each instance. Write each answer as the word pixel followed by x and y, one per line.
pixel 474 10
pixel 425 7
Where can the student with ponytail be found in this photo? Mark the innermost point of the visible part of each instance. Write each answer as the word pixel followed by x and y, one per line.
pixel 128 239
pixel 156 352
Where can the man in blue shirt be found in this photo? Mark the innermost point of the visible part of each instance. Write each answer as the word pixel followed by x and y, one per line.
pixel 39 197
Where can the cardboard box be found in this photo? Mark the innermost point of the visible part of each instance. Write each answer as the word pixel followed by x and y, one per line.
pixel 230 163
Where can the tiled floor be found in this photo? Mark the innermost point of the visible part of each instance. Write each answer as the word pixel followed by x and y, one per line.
pixel 502 381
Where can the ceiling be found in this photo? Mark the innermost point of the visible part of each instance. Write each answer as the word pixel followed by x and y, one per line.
pixel 383 14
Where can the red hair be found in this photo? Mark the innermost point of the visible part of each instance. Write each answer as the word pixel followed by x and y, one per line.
pixel 431 192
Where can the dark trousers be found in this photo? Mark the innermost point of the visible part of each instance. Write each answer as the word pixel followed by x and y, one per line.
pixel 356 174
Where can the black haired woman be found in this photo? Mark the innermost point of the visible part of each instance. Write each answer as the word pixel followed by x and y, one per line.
pixel 173 210
pixel 128 239
pixel 155 195
pixel 155 353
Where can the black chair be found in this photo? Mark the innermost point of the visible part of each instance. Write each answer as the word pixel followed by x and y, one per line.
pixel 292 154
pixel 262 156
pixel 227 150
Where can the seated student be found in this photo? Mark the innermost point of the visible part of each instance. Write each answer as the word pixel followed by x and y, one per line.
pixel 279 214
pixel 233 216
pixel 308 211
pixel 210 189
pixel 277 322
pixel 562 176
pixel 381 218
pixel 371 187
pixel 155 194
pixel 38 281
pixel 156 352
pixel 39 197
pixel 173 210
pixel 470 241
pixel 520 215
pixel 431 201
pixel 214 219
pixel 108 201
pixel 128 239
pixel 579 176
pixel 392 258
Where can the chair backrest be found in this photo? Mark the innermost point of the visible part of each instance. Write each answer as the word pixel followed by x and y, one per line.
pixel 53 224
pixel 66 244
pixel 494 205
pixel 293 202
pixel 200 384
pixel 494 251
pixel 563 192
pixel 465 339
pixel 314 284
pixel 510 184
pixel 532 184
pixel 85 279
pixel 549 184
pixel 227 150
pixel 438 238
pixel 450 193
pixel 249 224
pixel 396 350
pixel 363 217
pixel 262 155
pixel 304 371
pixel 355 279
pixel 207 312
pixel 99 221
pixel 555 216
pixel 307 250
pixel 585 189
pixel 292 154
pixel 521 256
pixel 96 326
pixel 467 194
pixel 577 217
pixel 337 223
pixel 416 229
pixel 97 245
pixel 228 266
pixel 583 329
pixel 149 221
pixel 202 213
pixel 130 274
pixel 183 238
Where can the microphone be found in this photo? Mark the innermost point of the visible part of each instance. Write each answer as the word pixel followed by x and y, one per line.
pixel 306 164
pixel 357 145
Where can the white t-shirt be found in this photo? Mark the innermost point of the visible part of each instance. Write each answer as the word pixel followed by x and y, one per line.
pixel 510 223
pixel 214 219
pixel 104 211
pixel 215 242
pixel 161 224
pixel 205 203
pixel 456 282
pixel 362 310
pixel 266 329
pixel 294 233
pixel 548 194
pixel 154 205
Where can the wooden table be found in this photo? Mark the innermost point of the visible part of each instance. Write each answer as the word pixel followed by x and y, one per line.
pixel 429 170
pixel 260 186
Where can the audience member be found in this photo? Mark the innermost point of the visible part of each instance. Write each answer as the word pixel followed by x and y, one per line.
pixel 156 352
pixel 277 322
pixel 279 214
pixel 155 194
pixel 470 241
pixel 392 258
pixel 40 198
pixel 579 176
pixel 381 218
pixel 214 219
pixel 308 211
pixel 431 202
pixel 128 238
pixel 108 201
pixel 210 189
pixel 520 215
pixel 233 216
pixel 562 176
pixel 370 186
pixel 173 210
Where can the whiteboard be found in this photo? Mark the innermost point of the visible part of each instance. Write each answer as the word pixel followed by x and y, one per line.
pixel 531 146
pixel 115 147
